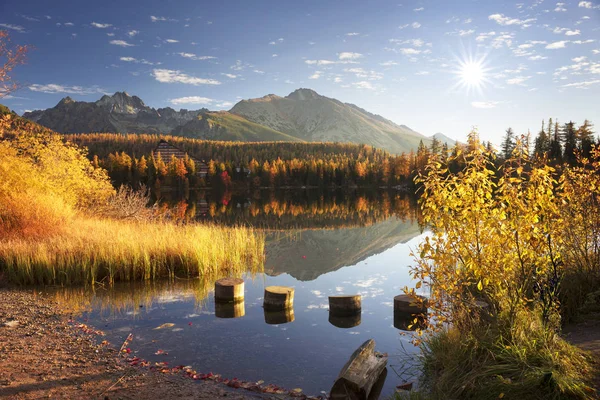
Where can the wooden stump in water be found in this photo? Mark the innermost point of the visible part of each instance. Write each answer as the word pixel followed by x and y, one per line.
pixel 279 317
pixel 408 304
pixel 345 322
pixel 362 376
pixel 278 298
pixel 345 305
pixel 228 290
pixel 230 310
pixel 406 321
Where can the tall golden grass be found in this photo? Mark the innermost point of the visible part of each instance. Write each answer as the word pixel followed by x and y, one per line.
pixel 51 232
pixel 103 250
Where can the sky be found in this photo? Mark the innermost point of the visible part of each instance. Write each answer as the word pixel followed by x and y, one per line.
pixel 435 66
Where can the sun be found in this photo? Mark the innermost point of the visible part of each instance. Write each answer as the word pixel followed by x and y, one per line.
pixel 472 73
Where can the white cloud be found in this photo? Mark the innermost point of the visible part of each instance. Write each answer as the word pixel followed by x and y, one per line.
pixel 121 43
pixel 337 79
pixel 483 36
pixel 174 76
pixel 503 20
pixel 573 33
pixel 316 75
pixel 156 19
pixel 466 32
pixel 320 62
pixel 584 41
pixel 364 85
pixel 192 56
pixel 191 100
pixel 585 4
pixel 557 45
pixel 54 88
pixel 419 9
pixel 352 34
pixel 407 51
pixel 101 26
pixel 579 59
pixel 110 34
pixel 519 80
pixel 415 25
pixel 422 73
pixel 484 104
pixel 69 24
pixel 388 63
pixel 17 28
pixel 232 76
pixel 582 85
pixel 537 58
pixel 349 56
pixel 560 7
pixel 137 61
pixel 413 42
pixel 171 41
pixel 467 21
pixel 132 33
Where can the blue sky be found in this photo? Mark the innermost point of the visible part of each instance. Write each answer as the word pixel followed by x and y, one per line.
pixel 401 59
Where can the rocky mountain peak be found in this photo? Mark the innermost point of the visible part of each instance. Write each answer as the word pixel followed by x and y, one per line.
pixel 66 100
pixel 122 103
pixel 303 94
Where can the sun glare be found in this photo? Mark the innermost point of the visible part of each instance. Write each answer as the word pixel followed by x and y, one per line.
pixel 471 73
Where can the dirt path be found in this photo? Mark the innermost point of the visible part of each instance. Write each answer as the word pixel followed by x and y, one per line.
pixel 586 336
pixel 42 354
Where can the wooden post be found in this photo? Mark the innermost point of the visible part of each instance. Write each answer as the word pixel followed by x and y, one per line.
pixel 406 321
pixel 279 317
pixel 345 305
pixel 345 322
pixel 358 379
pixel 229 290
pixel 408 304
pixel 278 298
pixel 230 310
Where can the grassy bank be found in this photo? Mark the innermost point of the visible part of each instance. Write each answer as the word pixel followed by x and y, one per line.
pixel 61 222
pixel 103 250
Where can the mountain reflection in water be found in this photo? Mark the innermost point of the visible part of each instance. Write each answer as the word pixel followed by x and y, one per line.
pixel 321 244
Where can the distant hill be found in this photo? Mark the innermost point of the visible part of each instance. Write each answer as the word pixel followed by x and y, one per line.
pixel 303 115
pixel 308 116
pixel 223 125
pixel 444 139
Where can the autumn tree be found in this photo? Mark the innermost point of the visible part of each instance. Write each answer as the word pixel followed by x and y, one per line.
pixel 10 57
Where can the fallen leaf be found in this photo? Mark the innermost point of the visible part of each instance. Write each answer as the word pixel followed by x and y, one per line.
pixel 165 325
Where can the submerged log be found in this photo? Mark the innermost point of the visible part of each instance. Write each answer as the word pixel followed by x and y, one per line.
pixel 278 298
pixel 345 305
pixel 229 290
pixel 230 310
pixel 408 304
pixel 363 375
pixel 279 317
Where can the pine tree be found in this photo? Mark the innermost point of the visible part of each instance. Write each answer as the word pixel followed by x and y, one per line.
pixel 508 143
pixel 570 136
pixel 585 135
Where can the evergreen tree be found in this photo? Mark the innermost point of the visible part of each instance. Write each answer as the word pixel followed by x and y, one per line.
pixel 508 143
pixel 570 136
pixel 585 135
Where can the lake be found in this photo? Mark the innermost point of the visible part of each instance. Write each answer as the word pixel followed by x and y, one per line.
pixel 319 243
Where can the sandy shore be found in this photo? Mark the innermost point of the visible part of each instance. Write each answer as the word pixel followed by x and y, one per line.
pixel 44 355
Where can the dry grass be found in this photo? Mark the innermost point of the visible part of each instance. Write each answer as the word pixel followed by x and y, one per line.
pixel 103 250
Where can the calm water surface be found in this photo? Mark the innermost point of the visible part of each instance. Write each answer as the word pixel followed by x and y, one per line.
pixel 349 251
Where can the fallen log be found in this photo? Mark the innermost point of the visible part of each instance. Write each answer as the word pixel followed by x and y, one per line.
pixel 363 375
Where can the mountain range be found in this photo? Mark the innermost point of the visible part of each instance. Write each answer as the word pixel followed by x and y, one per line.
pixel 303 115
